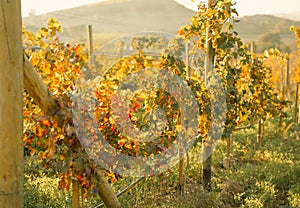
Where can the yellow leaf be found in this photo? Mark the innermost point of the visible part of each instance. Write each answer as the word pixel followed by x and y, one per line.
pixel 61 157
pixel 292 28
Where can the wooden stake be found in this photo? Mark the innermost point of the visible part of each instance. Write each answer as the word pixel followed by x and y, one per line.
pixel 181 181
pixel 106 193
pixel 296 103
pixel 281 117
pixel 75 193
pixel 206 144
pixel 260 134
pixel 182 160
pixel 287 79
pixel 11 105
pixel 226 162
pixel 281 76
pixel 252 48
pixel 188 72
pixel 181 173
pixel 91 55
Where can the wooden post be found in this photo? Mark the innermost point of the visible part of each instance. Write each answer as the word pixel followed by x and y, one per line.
pixel 206 143
pixel 39 91
pixel 75 193
pixel 11 105
pixel 259 134
pixel 287 79
pixel 283 96
pixel 188 72
pixel 296 103
pixel 91 55
pixel 260 121
pixel 282 76
pixel 252 48
pixel 226 162
pixel 106 193
pixel 181 181
pixel 181 153
pixel 281 117
pixel 181 172
pixel 260 127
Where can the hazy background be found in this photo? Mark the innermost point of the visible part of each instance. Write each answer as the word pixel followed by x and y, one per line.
pixel 245 7
pixel 266 22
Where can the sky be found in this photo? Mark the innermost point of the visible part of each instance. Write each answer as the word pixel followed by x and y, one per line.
pixel 244 7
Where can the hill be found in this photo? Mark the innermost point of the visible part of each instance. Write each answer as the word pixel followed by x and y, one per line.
pixel 251 27
pixel 119 17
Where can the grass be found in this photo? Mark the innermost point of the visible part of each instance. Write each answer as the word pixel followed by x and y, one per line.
pixel 269 177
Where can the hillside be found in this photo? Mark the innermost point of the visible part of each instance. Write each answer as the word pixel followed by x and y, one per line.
pixel 251 27
pixel 119 17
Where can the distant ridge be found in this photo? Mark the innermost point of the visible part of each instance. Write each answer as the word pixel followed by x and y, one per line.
pixel 122 16
pixel 253 26
pixel 113 18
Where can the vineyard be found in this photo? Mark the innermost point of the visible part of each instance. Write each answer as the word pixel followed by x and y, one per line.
pixel 152 119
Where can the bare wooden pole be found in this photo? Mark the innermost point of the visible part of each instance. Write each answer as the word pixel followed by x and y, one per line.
pixel 75 193
pixel 283 96
pixel 188 70
pixel 228 149
pixel 106 193
pixel 207 144
pixel 181 179
pixel 181 172
pixel 281 76
pixel 252 48
pixel 11 105
pixel 226 162
pixel 39 91
pixel 91 55
pixel 124 190
pixel 260 133
pixel 296 103
pixel 287 79
pixel 260 121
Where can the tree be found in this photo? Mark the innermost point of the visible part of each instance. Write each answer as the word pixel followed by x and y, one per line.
pixel 269 40
pixel 245 78
pixel 11 100
pixel 221 57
